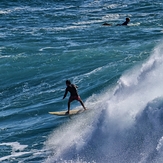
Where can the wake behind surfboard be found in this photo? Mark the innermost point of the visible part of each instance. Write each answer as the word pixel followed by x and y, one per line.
pixel 72 112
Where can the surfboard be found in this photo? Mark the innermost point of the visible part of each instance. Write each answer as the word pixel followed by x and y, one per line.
pixel 63 113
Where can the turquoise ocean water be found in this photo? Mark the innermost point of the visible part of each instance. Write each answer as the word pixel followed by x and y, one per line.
pixel 118 69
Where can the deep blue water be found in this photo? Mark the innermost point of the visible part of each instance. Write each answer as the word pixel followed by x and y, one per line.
pixel 118 70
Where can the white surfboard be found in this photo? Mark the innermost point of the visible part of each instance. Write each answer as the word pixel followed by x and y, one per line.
pixel 63 113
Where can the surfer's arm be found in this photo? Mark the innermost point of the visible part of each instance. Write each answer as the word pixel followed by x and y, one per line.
pixel 66 91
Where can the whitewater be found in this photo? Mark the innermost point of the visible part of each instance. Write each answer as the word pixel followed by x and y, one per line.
pixel 124 123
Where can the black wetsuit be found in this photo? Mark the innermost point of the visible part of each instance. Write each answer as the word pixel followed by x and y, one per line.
pixel 125 23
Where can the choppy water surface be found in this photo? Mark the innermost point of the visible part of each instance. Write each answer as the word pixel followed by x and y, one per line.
pixel 118 70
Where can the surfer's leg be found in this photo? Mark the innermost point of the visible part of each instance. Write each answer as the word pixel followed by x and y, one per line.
pixel 68 107
pixel 69 101
pixel 81 102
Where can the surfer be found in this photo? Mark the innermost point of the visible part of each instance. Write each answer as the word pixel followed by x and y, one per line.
pixel 125 23
pixel 73 95
pixel 107 24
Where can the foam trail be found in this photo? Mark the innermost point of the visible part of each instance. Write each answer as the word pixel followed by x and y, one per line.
pixel 119 130
pixel 17 149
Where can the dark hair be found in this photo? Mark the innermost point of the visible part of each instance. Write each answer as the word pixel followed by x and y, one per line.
pixel 68 82
pixel 127 19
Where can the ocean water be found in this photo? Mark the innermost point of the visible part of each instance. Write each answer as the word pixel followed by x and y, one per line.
pixel 118 69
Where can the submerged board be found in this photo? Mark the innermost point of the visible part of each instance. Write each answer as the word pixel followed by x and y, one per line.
pixel 63 113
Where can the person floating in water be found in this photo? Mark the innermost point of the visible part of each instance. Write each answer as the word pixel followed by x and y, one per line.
pixel 107 24
pixel 125 23
pixel 73 95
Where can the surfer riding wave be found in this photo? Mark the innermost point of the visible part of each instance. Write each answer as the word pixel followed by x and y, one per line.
pixel 73 95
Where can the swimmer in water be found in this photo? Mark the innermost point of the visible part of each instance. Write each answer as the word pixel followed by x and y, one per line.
pixel 125 23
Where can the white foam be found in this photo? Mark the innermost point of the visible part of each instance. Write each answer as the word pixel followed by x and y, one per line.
pixel 5 11
pixel 113 113
pixel 16 150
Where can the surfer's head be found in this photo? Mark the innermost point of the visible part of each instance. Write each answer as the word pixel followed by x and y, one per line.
pixel 68 82
pixel 127 19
